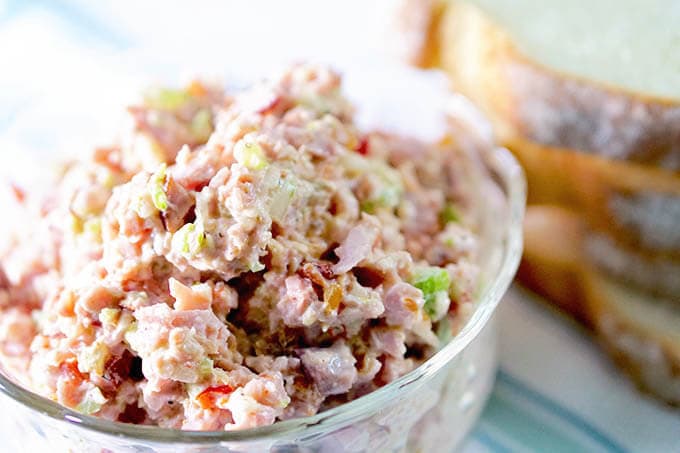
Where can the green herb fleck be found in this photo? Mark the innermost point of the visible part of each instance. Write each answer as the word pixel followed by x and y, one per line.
pixel 432 281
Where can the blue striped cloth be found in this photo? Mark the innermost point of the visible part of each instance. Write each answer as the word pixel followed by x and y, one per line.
pixel 69 61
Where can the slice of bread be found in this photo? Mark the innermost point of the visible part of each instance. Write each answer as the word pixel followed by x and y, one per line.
pixel 658 276
pixel 641 333
pixel 637 204
pixel 576 74
pixel 553 258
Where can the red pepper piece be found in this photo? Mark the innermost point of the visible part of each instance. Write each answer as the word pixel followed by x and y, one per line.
pixel 363 147
pixel 208 396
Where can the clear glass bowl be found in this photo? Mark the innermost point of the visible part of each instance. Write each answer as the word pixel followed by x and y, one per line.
pixel 430 409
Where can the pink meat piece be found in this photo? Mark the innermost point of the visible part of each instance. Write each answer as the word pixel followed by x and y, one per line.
pixel 180 202
pixel 394 368
pixel 173 342
pixel 332 369
pixel 5 298
pixel 225 299
pixel 259 402
pixel 305 398
pixel 390 341
pixel 356 247
pixel 402 304
pixel 96 298
pixel 199 419
pixel 263 363
pixel 162 397
pixel 194 170
pixel 298 299
pixel 17 330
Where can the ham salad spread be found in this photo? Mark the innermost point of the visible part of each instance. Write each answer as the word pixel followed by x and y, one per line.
pixel 236 260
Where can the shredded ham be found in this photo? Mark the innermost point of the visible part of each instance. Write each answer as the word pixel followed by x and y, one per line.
pixel 356 247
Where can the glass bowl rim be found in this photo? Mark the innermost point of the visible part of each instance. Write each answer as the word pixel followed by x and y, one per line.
pixel 511 178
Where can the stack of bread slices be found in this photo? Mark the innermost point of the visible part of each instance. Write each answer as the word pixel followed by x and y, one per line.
pixel 587 96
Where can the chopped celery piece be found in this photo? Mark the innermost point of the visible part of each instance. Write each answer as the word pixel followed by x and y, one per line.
pixel 205 367
pixel 93 358
pixel 130 336
pixel 189 240
pixel 77 224
pixel 144 207
pixel 93 227
pixel 109 316
pixel 444 332
pixel 449 214
pixel 437 309
pixel 92 402
pixel 250 155
pixel 135 299
pixel 201 125
pixel 389 198
pixel 321 104
pixel 389 192
pixel 156 188
pixel 166 98
pixel 106 179
pixel 434 282
pixel 431 280
pixel 282 198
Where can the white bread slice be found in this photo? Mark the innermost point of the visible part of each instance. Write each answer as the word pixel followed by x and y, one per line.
pixel 637 204
pixel 655 275
pixel 553 259
pixel 641 333
pixel 599 77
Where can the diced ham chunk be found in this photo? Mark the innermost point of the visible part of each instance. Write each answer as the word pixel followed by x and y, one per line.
pixel 332 369
pixel 402 305
pixel 259 402
pixel 300 303
pixel 173 343
pixel 180 203
pixel 356 247
pixel 198 297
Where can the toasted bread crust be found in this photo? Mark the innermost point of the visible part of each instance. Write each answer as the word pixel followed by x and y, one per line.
pixel 565 132
pixel 418 23
pixel 552 267
pixel 651 359
pixel 637 205
pixel 528 100
pixel 658 276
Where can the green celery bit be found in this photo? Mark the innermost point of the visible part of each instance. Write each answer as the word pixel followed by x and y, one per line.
pixel 156 189
pixel 201 125
pixel 166 99
pixel 389 198
pixel 282 198
pixel 250 155
pixel 449 214
pixel 189 240
pixel 431 281
pixel 390 194
pixel 205 367
pixel 92 402
pixel 444 333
